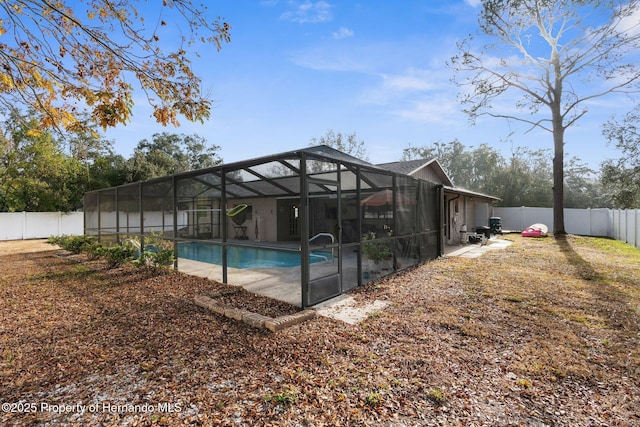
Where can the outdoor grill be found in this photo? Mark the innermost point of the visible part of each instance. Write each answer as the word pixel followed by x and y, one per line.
pixel 495 225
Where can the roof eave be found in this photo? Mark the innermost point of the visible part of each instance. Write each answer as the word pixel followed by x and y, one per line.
pixel 471 193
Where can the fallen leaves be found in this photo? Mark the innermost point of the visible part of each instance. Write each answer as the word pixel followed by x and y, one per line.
pixel 518 337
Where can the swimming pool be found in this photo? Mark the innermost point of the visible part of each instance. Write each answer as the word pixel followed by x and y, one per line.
pixel 242 257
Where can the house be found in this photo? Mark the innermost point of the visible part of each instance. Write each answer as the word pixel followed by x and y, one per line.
pixel 463 211
pixel 306 225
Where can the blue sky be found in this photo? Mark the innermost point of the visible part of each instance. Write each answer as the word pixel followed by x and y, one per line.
pixel 295 69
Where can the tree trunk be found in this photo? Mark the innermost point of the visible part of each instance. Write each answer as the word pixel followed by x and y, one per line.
pixel 558 177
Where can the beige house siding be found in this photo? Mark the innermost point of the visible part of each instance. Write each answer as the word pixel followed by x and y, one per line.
pixel 262 225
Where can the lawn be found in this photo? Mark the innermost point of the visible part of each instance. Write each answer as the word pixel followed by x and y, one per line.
pixel 545 332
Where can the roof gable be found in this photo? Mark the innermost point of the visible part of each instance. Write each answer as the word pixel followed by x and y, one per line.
pixel 420 168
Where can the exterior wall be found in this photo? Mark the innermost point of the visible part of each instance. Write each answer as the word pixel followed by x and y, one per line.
pixel 472 213
pixel 429 175
pixel 263 225
pixel 39 225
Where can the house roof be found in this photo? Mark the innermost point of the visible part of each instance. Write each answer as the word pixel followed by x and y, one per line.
pixel 413 167
pixel 405 167
pixel 469 193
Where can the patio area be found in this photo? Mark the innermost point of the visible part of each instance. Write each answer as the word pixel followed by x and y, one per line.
pixel 475 250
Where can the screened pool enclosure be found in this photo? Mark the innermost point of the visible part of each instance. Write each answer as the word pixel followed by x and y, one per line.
pixel 316 221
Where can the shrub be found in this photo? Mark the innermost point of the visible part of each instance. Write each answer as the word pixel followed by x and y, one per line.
pixel 94 250
pixel 118 254
pixel 157 253
pixel 162 258
pixel 73 244
pixel 375 251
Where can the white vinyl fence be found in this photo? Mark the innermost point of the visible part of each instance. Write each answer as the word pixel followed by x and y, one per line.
pixel 619 224
pixel 39 225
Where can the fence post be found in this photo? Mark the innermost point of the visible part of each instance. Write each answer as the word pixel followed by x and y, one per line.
pixel 637 212
pixel 24 225
pixel 634 220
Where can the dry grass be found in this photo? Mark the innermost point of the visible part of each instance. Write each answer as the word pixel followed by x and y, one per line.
pixel 546 332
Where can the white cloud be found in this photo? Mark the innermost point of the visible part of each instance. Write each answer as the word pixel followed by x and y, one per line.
pixel 319 60
pixel 630 23
pixel 342 33
pixel 473 3
pixel 442 110
pixel 308 12
pixel 404 87
pixel 411 81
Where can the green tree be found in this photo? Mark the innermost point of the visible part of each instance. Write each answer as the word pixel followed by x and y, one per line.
pixel 57 56
pixel 473 170
pixel 486 166
pixel 35 174
pixel 546 51
pixel 621 177
pixel 526 179
pixel 101 167
pixel 106 170
pixel 168 154
pixel 452 156
pixel 582 187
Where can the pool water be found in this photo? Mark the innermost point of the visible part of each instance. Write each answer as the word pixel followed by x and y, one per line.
pixel 241 257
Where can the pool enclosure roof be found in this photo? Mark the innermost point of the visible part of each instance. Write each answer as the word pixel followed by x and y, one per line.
pixel 304 197
pixel 276 175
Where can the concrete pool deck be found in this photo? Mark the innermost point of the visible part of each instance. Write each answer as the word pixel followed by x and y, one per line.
pixel 282 284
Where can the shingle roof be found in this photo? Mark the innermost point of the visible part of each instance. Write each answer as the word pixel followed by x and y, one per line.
pixel 405 167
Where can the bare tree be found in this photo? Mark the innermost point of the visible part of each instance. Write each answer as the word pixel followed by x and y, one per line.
pixel 552 58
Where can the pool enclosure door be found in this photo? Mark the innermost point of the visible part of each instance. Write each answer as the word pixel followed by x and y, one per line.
pixel 322 271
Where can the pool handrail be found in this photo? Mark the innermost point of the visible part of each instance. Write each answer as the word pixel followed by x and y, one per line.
pixel 333 241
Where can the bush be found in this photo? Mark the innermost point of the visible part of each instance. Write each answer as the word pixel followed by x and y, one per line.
pixel 375 251
pixel 162 258
pixel 118 254
pixel 73 244
pixel 157 253
pixel 94 250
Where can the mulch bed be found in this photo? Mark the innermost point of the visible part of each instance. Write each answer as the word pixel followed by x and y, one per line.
pixel 546 332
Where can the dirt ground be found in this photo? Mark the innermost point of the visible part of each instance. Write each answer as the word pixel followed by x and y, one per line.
pixel 543 333
pixel 24 246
